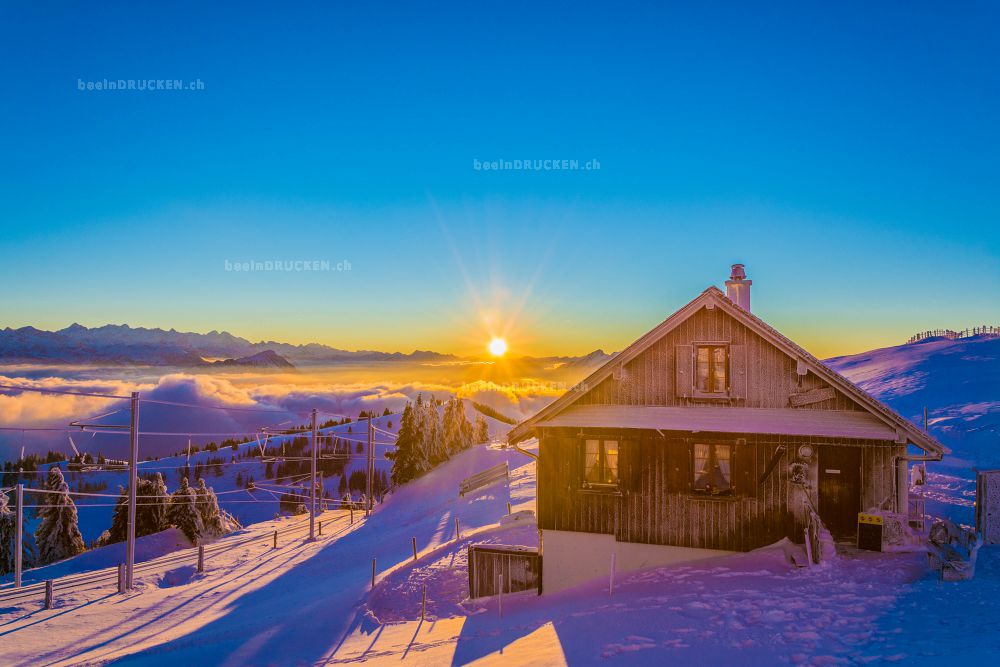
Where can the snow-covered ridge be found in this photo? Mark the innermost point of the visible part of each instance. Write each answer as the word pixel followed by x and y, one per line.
pixel 957 380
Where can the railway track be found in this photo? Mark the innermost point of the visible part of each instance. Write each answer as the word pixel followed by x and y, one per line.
pixel 95 579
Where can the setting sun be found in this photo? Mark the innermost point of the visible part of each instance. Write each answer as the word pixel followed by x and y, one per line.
pixel 498 346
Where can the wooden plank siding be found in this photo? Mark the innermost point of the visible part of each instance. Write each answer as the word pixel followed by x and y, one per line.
pixel 521 570
pixel 770 380
pixel 655 504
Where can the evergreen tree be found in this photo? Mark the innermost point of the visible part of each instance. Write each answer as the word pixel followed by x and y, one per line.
pixel 458 432
pixel 58 535
pixel 8 530
pixel 8 537
pixel 432 440
pixel 407 459
pixel 183 511
pixel 150 511
pixel 208 506
pixel 482 430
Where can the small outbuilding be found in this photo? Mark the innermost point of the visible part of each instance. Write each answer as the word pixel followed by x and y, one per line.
pixel 711 433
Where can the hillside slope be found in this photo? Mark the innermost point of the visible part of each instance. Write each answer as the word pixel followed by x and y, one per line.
pixel 257 605
pixel 957 380
pixel 230 478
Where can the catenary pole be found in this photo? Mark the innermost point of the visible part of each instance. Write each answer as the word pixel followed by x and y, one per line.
pixel 133 478
pixel 371 466
pixel 19 544
pixel 312 511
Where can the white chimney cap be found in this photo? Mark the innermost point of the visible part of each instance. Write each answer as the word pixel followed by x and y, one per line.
pixel 738 287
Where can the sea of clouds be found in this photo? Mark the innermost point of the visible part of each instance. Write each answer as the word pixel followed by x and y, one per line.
pixel 253 400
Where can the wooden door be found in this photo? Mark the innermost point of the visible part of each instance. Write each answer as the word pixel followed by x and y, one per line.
pixel 840 489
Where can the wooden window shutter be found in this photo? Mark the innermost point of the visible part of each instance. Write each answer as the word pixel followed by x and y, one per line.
pixel 683 370
pixel 745 468
pixel 632 477
pixel 738 371
pixel 574 449
pixel 677 460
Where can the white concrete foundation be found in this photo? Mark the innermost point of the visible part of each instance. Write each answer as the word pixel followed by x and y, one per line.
pixel 571 558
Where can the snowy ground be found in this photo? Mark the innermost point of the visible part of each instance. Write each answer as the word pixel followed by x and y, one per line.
pixel 255 605
pixel 311 603
pixel 756 608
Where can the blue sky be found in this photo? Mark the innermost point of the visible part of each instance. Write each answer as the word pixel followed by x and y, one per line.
pixel 847 154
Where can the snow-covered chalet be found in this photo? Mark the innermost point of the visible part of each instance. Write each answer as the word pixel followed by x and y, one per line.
pixel 711 433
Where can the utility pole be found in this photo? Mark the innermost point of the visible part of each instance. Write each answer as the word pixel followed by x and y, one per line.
pixel 312 512
pixel 133 479
pixel 18 544
pixel 371 465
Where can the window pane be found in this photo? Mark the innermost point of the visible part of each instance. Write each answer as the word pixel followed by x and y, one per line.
pixel 611 461
pixel 700 467
pixel 719 369
pixel 591 460
pixel 702 374
pixel 712 468
pixel 723 454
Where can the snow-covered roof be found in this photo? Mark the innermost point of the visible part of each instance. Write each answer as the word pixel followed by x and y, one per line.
pixel 777 421
pixel 902 429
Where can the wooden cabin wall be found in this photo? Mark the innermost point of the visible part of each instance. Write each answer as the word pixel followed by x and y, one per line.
pixel 771 374
pixel 655 504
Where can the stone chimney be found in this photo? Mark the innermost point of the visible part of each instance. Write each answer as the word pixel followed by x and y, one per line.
pixel 738 287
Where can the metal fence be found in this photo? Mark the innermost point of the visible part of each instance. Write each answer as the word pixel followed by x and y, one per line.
pixel 484 478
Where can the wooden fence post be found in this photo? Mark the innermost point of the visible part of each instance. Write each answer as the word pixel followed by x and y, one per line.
pixel 48 594
pixel 373 572
pixel 458 535
pixel 320 527
pixel 275 544
pixel 414 548
pixel 611 583
pixel 201 557
pixel 352 515
pixel 508 507
pixel 423 602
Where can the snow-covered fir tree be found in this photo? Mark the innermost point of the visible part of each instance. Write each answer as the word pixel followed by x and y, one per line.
pixel 212 521
pixel 150 511
pixel 8 535
pixel 481 431
pixel 58 535
pixel 8 538
pixel 458 432
pixel 183 511
pixel 426 439
pixel 408 461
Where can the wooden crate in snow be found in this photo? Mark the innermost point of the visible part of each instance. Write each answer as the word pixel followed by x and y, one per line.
pixel 520 568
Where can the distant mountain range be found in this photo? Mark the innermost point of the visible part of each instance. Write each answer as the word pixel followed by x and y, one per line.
pixel 115 344
pixel 124 345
